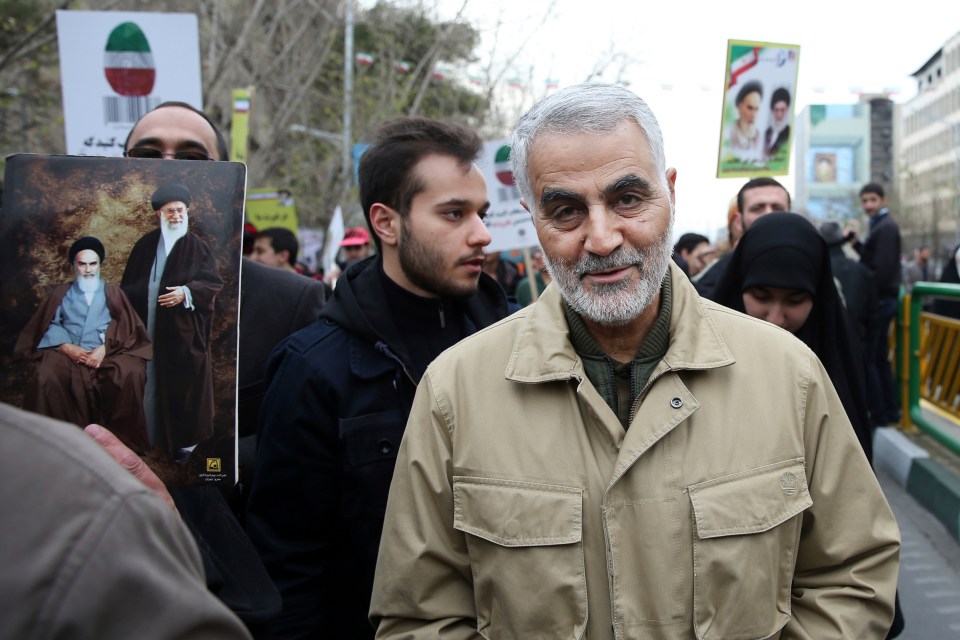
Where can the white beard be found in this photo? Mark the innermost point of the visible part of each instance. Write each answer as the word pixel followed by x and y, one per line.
pixel 617 304
pixel 89 285
pixel 170 233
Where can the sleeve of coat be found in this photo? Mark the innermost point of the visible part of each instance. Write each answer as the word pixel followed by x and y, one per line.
pixel 135 572
pixel 848 558
pixel 423 587
pixel 206 283
pixel 293 496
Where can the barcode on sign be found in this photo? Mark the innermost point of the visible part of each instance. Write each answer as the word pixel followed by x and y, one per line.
pixel 508 194
pixel 127 109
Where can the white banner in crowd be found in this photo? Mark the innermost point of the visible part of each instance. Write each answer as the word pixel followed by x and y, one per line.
pixel 332 238
pixel 115 66
pixel 510 225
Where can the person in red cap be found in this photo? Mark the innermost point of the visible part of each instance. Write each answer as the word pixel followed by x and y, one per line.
pixel 356 245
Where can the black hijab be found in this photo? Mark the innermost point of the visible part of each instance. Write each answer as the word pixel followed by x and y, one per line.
pixel 784 250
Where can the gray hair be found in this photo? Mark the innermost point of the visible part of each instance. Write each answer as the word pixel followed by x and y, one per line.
pixel 583 108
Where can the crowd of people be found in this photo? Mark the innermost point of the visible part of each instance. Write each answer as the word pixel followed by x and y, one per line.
pixel 639 437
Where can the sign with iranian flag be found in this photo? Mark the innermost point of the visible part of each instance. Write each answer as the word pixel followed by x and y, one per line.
pixel 117 65
pixel 509 223
pixel 758 105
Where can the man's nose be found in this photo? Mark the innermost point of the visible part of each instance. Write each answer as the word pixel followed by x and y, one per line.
pixel 479 235
pixel 603 233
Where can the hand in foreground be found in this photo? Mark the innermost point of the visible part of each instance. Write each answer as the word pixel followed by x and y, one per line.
pixel 129 461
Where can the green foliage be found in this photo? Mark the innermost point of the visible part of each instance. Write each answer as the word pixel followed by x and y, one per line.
pixel 291 53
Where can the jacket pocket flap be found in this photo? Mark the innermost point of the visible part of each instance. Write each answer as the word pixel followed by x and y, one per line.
pixel 751 501
pixel 517 514
pixel 372 437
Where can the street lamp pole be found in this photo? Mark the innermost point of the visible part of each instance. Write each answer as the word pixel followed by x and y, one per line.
pixel 347 146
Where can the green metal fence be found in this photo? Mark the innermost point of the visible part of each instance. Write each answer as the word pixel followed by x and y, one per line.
pixel 928 352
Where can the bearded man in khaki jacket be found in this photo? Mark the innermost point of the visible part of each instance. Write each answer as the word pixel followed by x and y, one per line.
pixel 624 459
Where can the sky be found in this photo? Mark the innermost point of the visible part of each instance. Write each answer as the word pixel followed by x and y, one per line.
pixel 845 46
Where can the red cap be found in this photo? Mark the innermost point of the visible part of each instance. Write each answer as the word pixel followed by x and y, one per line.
pixel 354 237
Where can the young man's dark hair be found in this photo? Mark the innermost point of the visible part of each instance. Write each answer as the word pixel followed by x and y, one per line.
pixel 282 239
pixel 689 242
pixel 759 182
pixel 222 150
pixel 387 167
pixel 873 187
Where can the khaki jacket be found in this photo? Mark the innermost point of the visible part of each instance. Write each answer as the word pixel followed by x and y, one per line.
pixel 737 506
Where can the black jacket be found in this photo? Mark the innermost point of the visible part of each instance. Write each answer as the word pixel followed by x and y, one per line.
pixel 335 409
pixel 859 295
pixel 880 252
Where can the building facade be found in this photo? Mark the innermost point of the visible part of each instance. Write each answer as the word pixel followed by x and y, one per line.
pixel 833 158
pixel 929 159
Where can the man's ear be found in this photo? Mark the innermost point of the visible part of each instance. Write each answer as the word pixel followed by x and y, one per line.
pixel 385 222
pixel 523 203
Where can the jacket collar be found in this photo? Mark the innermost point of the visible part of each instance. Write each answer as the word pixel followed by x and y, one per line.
pixel 542 350
pixel 360 305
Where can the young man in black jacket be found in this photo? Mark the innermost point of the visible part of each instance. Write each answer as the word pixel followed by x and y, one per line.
pixel 880 252
pixel 340 390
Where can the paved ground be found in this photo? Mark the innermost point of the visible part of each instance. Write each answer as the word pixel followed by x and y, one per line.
pixel 929 568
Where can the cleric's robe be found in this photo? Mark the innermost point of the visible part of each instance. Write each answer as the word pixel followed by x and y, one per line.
pixel 111 395
pixel 181 335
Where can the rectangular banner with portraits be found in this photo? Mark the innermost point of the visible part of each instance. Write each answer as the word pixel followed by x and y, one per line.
pixel 758 106
pixel 119 290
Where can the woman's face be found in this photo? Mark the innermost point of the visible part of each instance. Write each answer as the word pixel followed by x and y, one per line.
pixel 786 308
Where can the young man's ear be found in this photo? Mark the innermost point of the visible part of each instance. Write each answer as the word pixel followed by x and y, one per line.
pixel 385 222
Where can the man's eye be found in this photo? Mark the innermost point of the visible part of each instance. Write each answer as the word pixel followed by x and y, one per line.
pixel 453 214
pixel 565 213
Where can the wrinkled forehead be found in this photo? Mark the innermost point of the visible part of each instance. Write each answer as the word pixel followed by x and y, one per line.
pixel 174 128
pixel 86 256
pixel 173 204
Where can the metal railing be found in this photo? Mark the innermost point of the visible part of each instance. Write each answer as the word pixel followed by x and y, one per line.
pixel 930 361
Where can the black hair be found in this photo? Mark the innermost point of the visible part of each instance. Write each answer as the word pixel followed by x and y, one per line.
pixel 386 173
pixel 751 87
pixel 759 182
pixel 282 239
pixel 872 187
pixel 689 242
pixel 780 95
pixel 222 149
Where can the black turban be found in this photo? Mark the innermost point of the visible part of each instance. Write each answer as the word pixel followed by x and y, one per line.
pixel 86 243
pixel 170 192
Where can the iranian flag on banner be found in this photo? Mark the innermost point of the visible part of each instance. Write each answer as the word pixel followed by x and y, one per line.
pixel 128 62
pixel 742 58
pixel 501 165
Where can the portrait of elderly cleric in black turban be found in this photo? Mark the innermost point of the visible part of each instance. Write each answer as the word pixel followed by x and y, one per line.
pixel 120 278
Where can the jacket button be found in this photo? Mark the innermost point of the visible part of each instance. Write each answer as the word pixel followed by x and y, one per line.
pixel 676 403
pixel 385 446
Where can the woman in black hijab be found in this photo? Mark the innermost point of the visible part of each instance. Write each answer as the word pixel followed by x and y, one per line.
pixel 780 272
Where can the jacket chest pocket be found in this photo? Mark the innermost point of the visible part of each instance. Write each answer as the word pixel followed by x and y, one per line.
pixel 369 444
pixel 525 542
pixel 744 550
